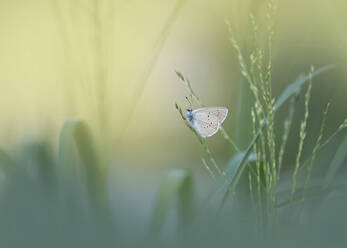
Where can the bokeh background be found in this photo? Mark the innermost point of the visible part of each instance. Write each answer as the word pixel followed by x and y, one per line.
pixel 112 64
pixel 59 58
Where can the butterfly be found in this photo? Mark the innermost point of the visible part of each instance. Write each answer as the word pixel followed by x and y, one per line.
pixel 206 121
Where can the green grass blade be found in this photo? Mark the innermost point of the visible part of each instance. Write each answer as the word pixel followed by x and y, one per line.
pixel 231 171
pixel 337 161
pixel 157 49
pixel 177 188
pixel 6 163
pixel 67 158
pixel 311 192
pixel 95 175
pixel 243 131
pixel 232 166
pixel 287 93
pixel 244 161
pixel 294 87
pixel 7 167
pixel 78 160
pixel 37 159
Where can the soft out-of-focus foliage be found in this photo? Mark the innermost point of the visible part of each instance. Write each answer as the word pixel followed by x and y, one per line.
pixel 36 213
pixel 53 68
pixel 50 203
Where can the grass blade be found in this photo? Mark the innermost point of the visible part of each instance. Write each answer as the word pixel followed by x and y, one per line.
pixel 287 93
pixel 338 159
pixel 78 160
pixel 158 47
pixel 6 163
pixel 244 161
pixel 294 87
pixel 177 187
pixel 7 168
pixel 37 159
pixel 230 170
pixel 311 192
pixel 243 129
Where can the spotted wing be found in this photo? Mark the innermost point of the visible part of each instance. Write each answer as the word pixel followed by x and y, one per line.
pixel 219 112
pixel 205 124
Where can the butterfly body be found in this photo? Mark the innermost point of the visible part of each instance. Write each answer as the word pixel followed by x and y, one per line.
pixel 206 121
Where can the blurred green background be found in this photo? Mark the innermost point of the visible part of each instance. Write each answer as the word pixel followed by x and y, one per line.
pixel 52 67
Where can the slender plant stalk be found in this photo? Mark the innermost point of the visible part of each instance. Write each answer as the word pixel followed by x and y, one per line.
pixel 209 169
pixel 256 60
pixel 100 80
pixel 302 134
pixel 287 126
pixel 214 163
pixel 262 81
pixel 158 47
pixel 341 127
pixel 258 179
pixel 313 159
pixel 251 192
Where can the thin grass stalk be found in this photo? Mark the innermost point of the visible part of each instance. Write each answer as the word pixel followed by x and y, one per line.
pixel 214 163
pixel 271 142
pixel 313 159
pixel 286 130
pixel 158 47
pixel 257 159
pixel 265 86
pixel 341 127
pixel 256 153
pixel 100 80
pixel 234 43
pixel 244 71
pixel 250 77
pixel 266 93
pixel 302 134
pixel 209 170
pixel 250 180
pixel 263 147
pixel 271 33
pixel 256 61
pixel 75 77
pixel 259 83
pixel 271 102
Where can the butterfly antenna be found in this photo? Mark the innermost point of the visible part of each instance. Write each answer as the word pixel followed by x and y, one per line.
pixel 191 97
pixel 190 103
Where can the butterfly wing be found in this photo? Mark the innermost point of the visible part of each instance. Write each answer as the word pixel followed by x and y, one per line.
pixel 219 112
pixel 205 124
